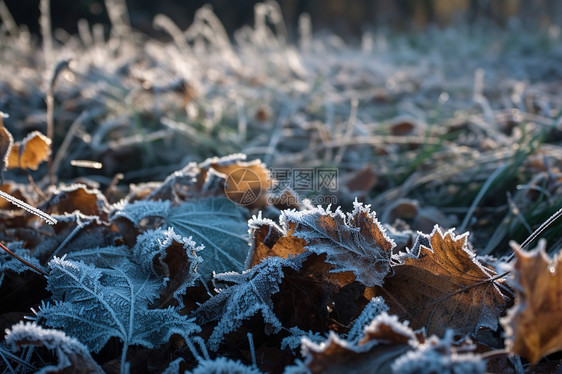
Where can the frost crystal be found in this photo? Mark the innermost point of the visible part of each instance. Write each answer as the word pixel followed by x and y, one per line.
pixel 374 308
pixel 437 356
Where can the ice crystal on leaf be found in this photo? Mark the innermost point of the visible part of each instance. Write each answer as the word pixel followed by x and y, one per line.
pixel 439 356
pixel 354 241
pixel 249 295
pixel 95 304
pixel 294 341
pixel 220 365
pixel 375 307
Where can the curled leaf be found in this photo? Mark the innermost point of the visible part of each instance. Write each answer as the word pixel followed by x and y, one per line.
pixel 72 355
pixel 30 152
pixel 534 324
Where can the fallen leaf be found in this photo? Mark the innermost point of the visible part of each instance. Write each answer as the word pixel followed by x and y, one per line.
pixel 403 125
pixel 77 197
pixel 534 324
pixel 385 340
pixel 268 240
pixel 246 183
pixel 72 355
pixel 362 180
pixel 354 242
pixel 445 287
pixel 313 297
pixel 391 346
pixel 243 182
pixel 30 152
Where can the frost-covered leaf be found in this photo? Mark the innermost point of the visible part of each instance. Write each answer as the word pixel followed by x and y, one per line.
pixel 534 324
pixel 440 356
pixel 445 287
pixel 216 223
pixel 109 256
pixel 244 182
pixel 389 346
pixel 138 210
pixel 172 256
pixel 385 339
pixel 78 197
pixel 72 356
pixel 354 242
pixel 249 294
pixel 95 304
pixel 30 152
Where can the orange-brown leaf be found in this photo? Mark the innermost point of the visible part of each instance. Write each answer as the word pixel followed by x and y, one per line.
pixel 445 287
pixel 268 241
pixel 534 325
pixel 30 152
pixel 246 182
pixel 77 197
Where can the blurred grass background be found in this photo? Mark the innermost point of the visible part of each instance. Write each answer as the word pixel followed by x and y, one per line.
pixel 346 18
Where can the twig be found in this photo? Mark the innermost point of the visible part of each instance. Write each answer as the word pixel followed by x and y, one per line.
pixel 22 260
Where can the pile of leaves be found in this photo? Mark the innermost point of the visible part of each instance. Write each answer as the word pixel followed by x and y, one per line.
pixel 177 277
pixel 211 266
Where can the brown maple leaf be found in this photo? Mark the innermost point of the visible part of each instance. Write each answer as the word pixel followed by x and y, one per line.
pixel 534 324
pixel 445 287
